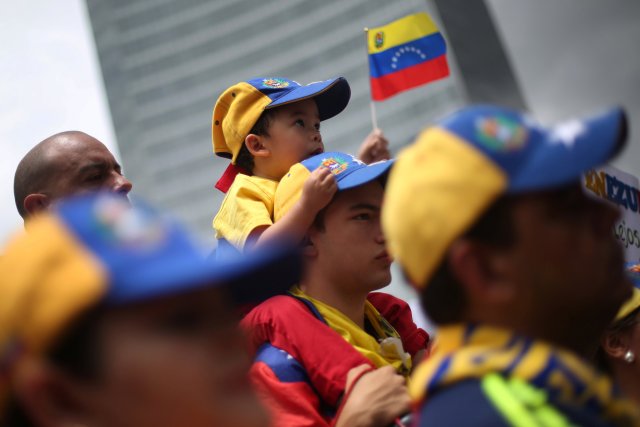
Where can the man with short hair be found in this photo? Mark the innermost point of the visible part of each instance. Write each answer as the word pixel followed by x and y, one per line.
pixel 333 352
pixel 110 316
pixel 64 164
pixel 516 265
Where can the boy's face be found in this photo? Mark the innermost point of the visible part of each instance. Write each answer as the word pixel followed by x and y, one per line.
pixel 177 361
pixel 351 251
pixel 294 135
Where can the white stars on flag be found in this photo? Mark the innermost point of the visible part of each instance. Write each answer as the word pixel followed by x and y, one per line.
pixel 406 50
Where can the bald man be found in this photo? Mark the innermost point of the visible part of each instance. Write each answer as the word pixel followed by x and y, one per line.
pixel 63 164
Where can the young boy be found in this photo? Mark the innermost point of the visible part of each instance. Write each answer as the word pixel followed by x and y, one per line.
pixel 265 126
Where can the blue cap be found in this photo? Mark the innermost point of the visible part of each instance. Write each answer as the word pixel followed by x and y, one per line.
pixel 331 96
pixel 147 255
pixel 537 157
pixel 240 106
pixel 349 172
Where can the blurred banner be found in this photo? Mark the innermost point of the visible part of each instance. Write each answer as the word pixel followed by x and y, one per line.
pixel 621 189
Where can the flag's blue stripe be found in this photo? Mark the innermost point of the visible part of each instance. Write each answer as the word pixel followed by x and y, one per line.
pixel 407 55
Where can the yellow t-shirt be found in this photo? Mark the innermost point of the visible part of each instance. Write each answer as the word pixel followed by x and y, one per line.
pixel 247 205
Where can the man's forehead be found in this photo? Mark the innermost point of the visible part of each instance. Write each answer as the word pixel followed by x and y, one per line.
pixel 82 149
pixel 369 194
pixel 553 195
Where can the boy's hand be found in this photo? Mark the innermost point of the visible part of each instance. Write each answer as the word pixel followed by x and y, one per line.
pixel 318 190
pixel 376 399
pixel 374 148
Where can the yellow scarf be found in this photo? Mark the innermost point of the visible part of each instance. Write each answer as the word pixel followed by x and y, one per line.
pixel 387 351
pixel 466 351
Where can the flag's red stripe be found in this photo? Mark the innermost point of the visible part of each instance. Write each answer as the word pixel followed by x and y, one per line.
pixel 425 72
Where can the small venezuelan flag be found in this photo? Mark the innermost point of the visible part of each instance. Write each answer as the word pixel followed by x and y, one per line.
pixel 404 54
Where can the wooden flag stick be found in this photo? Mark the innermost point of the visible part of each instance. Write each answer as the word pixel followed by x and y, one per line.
pixel 374 119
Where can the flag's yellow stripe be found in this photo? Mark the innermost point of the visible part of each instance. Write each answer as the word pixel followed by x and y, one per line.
pixel 399 32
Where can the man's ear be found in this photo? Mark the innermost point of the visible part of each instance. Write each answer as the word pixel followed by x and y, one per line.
pixel 49 397
pixel 481 270
pixel 256 146
pixel 309 248
pixel 615 344
pixel 36 202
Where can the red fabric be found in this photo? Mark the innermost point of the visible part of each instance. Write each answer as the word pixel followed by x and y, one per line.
pixel 228 176
pixel 390 84
pixel 288 324
pixel 290 404
pixel 398 313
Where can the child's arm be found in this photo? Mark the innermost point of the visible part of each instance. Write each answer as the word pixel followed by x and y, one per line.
pixel 317 192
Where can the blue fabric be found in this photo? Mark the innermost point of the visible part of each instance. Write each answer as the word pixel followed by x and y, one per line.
pixel 462 405
pixel 283 365
pixel 465 404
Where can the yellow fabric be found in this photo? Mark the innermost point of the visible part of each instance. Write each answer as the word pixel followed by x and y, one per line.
pixel 630 305
pixel 247 205
pixel 366 344
pixel 464 352
pixel 235 113
pixel 401 31
pixel 46 279
pixel 289 190
pixel 437 188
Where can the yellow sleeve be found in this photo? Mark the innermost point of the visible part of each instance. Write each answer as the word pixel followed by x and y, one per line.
pixel 247 205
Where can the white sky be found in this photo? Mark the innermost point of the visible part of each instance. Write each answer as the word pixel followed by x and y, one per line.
pixel 50 82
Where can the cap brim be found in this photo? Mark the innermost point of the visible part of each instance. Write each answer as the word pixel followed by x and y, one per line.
pixel 146 255
pixel 364 175
pixel 263 273
pixel 249 278
pixel 331 96
pixel 562 159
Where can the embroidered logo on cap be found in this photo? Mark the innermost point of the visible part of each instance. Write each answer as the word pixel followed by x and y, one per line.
pixel 128 227
pixel 500 133
pixel 336 166
pixel 275 83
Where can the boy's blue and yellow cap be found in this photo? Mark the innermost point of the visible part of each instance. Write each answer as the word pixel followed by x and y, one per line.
pixel 98 249
pixel 240 106
pixel 348 171
pixel 456 169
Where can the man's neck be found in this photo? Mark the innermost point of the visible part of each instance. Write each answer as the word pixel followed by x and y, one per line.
pixel 627 380
pixel 349 304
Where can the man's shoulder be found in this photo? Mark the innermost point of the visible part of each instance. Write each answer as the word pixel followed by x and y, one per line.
pixel 494 400
pixel 385 300
pixel 279 308
pixel 463 404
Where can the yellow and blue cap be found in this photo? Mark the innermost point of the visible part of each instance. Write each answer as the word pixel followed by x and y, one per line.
pixel 456 169
pixel 98 249
pixel 349 172
pixel 633 273
pixel 240 106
